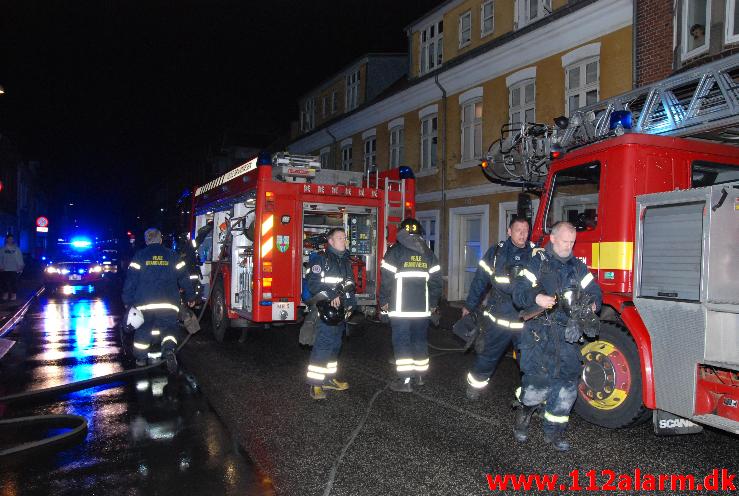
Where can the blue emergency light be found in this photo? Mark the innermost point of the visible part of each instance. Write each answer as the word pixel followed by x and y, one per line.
pixel 622 118
pixel 81 243
pixel 405 172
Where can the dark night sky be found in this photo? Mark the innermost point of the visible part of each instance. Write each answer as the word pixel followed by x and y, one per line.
pixel 117 97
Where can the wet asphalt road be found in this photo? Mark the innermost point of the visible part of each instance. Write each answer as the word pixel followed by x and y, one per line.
pixel 150 435
pixel 433 441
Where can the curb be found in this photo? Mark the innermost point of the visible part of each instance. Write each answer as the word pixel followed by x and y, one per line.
pixel 8 325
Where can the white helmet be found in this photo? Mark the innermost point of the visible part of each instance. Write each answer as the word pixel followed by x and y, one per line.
pixel 135 318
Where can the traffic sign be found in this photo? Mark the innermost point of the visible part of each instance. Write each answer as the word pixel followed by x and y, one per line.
pixel 42 222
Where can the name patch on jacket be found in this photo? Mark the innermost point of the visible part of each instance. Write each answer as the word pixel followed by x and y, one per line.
pixel 157 260
pixel 416 263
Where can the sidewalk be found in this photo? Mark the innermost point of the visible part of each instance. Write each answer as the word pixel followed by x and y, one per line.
pixel 27 289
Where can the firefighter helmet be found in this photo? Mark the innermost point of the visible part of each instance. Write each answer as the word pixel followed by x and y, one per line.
pixel 412 226
pixel 330 314
pixel 134 318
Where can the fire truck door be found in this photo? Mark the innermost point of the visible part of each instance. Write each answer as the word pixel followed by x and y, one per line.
pixel 242 260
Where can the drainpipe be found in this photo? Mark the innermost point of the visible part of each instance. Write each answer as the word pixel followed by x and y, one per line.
pixel 442 215
pixel 634 31
pixel 333 148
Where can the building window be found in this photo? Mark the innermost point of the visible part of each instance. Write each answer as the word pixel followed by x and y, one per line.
pixel 487 18
pixel 430 220
pixel 324 107
pixel 308 117
pixel 465 29
pixel 581 84
pixel 432 44
pixel 696 27
pixel 471 130
pixel 346 157
pixel 326 158
pixel 334 102
pixel 396 146
pixel 528 11
pixel 732 21
pixel 352 90
pixel 523 102
pixel 370 153
pixel 429 126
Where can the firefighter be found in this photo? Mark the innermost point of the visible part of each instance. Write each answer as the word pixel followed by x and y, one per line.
pixel 410 292
pixel 497 269
pixel 153 283
pixel 550 356
pixel 330 281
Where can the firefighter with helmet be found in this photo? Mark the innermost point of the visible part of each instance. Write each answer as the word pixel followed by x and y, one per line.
pixel 409 293
pixel 497 270
pixel 151 295
pixel 550 353
pixel 331 285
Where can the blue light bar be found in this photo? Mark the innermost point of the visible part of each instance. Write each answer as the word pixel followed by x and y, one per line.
pixel 405 172
pixel 81 243
pixel 622 117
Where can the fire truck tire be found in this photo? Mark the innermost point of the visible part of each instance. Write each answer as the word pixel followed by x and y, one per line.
pixel 219 320
pixel 610 390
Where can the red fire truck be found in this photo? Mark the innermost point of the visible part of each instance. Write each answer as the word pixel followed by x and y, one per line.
pixel 256 225
pixel 658 222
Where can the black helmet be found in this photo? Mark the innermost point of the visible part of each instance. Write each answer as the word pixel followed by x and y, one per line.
pixel 330 315
pixel 412 226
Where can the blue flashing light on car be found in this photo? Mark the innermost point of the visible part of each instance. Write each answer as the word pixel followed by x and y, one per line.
pixel 81 243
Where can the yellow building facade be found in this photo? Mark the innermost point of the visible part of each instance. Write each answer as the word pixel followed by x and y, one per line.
pixel 498 64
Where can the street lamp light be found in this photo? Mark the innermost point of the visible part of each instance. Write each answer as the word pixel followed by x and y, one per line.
pixel 2 90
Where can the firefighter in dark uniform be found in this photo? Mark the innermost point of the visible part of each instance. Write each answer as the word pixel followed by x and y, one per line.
pixel 551 361
pixel 410 291
pixel 153 283
pixel 330 283
pixel 497 270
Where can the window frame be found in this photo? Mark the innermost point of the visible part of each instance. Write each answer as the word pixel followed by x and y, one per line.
pixel 522 106
pixel 334 102
pixel 686 54
pixel 473 126
pixel 351 100
pixel 325 158
pixel 483 32
pixel 718 168
pixel 553 189
pixel 308 115
pixel 462 42
pixel 324 106
pixel 731 7
pixel 369 158
pixel 346 157
pixel 428 140
pixel 585 87
pixel 396 148
pixel 426 217
pixel 438 40
pixel 523 10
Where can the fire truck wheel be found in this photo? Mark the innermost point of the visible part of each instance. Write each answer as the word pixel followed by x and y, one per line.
pixel 611 383
pixel 218 316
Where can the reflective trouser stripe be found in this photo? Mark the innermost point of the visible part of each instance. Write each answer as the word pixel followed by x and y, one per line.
pixel 315 375
pixel 141 346
pixel 404 365
pixel 421 365
pixel 157 354
pixel 169 338
pixel 475 383
pixel 332 367
pixel 159 306
pixel 503 322
pixel 557 419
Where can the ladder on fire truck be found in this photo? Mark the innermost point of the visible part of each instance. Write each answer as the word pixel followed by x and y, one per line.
pixel 702 102
pixel 393 208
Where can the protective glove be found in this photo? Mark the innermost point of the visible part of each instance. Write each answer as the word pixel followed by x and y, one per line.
pixel 573 331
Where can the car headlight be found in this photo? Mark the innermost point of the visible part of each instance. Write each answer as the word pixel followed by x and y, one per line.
pixel 95 269
pixel 64 271
pixel 51 270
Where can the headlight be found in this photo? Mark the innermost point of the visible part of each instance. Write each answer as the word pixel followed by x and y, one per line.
pixel 96 268
pixel 64 271
pixel 51 270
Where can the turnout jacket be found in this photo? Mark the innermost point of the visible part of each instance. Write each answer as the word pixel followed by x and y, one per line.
pixel 411 278
pixel 496 271
pixel 154 279
pixel 328 268
pixel 547 274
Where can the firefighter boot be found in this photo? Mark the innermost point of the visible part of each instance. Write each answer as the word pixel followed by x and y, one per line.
pixel 402 385
pixel 521 424
pixel 336 385
pixel 556 436
pixel 317 393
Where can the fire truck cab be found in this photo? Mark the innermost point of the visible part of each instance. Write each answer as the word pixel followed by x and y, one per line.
pixel 255 227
